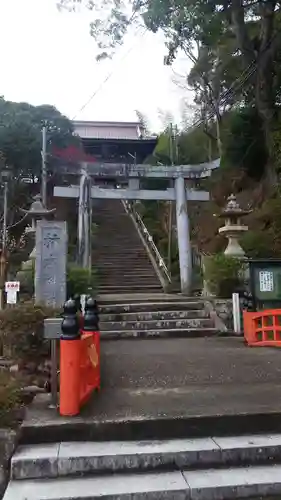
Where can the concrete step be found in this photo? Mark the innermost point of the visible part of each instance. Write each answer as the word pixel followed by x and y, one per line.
pixel 156 315
pixel 145 333
pixel 155 325
pixel 77 458
pixel 225 484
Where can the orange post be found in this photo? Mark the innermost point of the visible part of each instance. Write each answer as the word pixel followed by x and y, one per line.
pixel 70 359
pixel 90 351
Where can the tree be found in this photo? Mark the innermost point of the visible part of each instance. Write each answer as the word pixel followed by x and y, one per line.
pixel 21 136
pixel 254 26
pixel 20 148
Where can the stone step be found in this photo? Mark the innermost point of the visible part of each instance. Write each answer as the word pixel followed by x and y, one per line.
pixel 118 308
pixel 105 290
pixel 77 458
pixel 127 282
pixel 119 282
pixel 141 263
pixel 224 484
pixel 154 298
pixel 132 288
pixel 159 333
pixel 155 315
pixel 123 258
pixel 119 274
pixel 155 325
pixel 114 245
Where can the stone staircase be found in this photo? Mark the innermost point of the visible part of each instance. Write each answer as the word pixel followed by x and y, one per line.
pixel 119 256
pixel 157 315
pixel 219 468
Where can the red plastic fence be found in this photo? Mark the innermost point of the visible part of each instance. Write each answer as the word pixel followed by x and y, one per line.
pixel 263 328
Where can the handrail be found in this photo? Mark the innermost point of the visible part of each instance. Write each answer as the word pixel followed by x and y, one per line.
pixel 129 207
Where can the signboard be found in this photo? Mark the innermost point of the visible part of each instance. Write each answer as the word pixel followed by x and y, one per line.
pixel 266 281
pixel 12 286
pixel 50 274
pixel 11 289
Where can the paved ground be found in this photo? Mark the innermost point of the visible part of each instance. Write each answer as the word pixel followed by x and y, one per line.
pixel 187 377
pixel 183 378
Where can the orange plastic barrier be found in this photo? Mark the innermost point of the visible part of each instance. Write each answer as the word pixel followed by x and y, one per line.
pixel 69 377
pixel 79 358
pixel 263 328
pixel 89 365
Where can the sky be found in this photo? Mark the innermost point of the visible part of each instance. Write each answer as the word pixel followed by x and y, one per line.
pixel 48 57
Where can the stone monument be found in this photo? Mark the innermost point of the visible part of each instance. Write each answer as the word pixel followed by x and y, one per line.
pixel 50 266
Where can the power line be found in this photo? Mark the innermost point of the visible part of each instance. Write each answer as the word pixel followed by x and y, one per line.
pixel 110 74
pixel 227 95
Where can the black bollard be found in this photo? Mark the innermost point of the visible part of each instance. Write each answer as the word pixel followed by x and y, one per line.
pixel 248 302
pixel 70 324
pixel 91 316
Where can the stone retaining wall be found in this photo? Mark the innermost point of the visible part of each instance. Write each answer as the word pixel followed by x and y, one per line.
pixel 8 443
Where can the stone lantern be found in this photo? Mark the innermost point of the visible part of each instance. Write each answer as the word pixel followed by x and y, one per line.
pixel 233 227
pixel 36 212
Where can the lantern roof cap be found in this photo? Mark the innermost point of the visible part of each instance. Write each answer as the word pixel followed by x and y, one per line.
pixel 37 208
pixel 233 208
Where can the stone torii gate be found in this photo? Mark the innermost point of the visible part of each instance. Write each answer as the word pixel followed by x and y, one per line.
pixel 133 175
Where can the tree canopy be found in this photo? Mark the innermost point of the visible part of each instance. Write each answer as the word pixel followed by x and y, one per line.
pixel 21 136
pixel 20 151
pixel 235 47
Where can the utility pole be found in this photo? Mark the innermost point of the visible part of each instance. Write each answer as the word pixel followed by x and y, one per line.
pixel 44 167
pixel 5 177
pixel 171 144
pixel 5 213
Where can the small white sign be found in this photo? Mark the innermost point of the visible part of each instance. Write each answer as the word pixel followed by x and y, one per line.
pixel 266 281
pixel 83 303
pixel 12 297
pixel 12 286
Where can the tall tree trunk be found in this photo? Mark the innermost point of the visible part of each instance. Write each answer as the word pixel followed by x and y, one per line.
pixel 264 99
pixel 259 55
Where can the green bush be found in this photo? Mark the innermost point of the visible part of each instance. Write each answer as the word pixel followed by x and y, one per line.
pixel 10 399
pixel 79 280
pixel 22 331
pixel 223 274
pixel 259 244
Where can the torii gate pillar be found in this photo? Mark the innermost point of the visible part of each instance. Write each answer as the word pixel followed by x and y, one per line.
pixel 184 246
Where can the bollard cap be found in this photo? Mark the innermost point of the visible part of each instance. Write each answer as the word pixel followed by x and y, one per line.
pixel 70 322
pixel 91 318
pixel 91 304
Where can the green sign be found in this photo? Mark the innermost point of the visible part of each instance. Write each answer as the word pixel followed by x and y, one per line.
pixel 267 283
